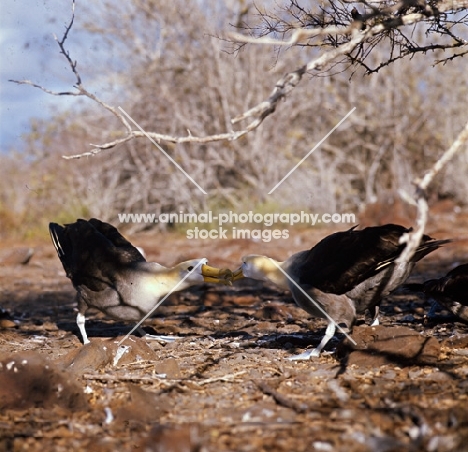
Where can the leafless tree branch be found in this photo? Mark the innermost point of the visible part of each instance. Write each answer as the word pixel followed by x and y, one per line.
pixel 420 200
pixel 131 134
pixel 358 34
pixel 81 90
pixel 364 27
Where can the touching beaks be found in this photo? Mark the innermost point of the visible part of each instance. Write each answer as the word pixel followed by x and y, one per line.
pixel 237 274
pixel 217 275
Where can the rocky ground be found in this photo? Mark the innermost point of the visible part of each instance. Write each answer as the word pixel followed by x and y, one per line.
pixel 225 384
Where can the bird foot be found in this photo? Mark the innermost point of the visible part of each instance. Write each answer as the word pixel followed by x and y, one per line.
pixel 305 356
pixel 165 339
pixel 154 337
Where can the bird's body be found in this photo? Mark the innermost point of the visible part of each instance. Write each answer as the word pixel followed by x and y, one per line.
pixel 451 291
pixel 112 275
pixel 345 274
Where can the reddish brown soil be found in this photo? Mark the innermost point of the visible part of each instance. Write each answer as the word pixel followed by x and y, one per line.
pixel 225 384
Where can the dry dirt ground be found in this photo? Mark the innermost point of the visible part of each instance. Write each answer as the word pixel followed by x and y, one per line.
pixel 225 384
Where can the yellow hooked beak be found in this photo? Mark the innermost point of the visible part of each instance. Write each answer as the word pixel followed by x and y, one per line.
pixel 237 274
pixel 217 275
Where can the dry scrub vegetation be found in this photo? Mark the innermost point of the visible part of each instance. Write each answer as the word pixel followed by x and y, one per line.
pixel 225 384
pixel 172 69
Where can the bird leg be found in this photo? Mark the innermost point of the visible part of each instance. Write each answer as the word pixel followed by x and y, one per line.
pixel 80 321
pixel 329 333
pixel 375 317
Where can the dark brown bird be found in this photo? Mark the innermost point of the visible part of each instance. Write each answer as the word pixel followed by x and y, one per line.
pixel 110 274
pixel 345 274
pixel 451 292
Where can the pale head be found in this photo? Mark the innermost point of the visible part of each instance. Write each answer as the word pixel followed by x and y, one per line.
pixel 197 271
pixel 262 268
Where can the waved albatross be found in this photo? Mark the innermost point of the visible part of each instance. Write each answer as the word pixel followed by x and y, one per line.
pixel 110 274
pixel 450 291
pixel 345 274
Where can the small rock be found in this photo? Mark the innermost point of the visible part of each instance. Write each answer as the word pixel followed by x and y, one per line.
pixel 16 256
pixel 165 438
pixel 381 345
pixel 6 323
pixel 29 380
pixel 389 375
pixel 169 367
pixel 322 446
pixel 460 342
pixel 100 353
pixel 413 374
pixel 439 376
pixel 143 406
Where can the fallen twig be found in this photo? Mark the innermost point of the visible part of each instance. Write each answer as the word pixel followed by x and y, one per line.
pixel 108 377
pixel 228 377
pixel 280 398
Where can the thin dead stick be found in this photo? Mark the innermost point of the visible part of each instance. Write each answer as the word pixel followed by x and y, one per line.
pixel 280 399
pixel 414 238
pixel 107 377
pixel 228 377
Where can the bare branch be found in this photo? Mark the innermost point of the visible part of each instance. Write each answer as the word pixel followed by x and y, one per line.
pixel 283 87
pixel 461 139
pixel 61 44
pixel 363 28
pixel 287 83
pixel 81 90
pixel 299 35
pixel 414 238
pixel 48 91
pixel 229 136
pixel 345 32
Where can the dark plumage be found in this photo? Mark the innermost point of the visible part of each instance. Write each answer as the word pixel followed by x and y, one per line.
pixel 110 274
pixel 345 274
pixel 451 291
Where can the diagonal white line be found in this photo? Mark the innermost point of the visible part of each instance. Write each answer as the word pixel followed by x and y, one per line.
pixel 160 302
pixel 315 303
pixel 310 152
pixel 162 150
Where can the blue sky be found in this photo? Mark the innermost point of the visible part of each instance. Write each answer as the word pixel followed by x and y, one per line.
pixel 29 51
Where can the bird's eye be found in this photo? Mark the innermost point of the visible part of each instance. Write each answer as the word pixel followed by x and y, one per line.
pixel 190 268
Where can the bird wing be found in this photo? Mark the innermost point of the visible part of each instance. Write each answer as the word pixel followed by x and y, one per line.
pixel 93 253
pixel 343 260
pixel 122 247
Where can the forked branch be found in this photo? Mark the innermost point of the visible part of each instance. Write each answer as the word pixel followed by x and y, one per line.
pixel 414 238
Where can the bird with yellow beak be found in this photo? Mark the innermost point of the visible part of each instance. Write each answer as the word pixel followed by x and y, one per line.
pixel 113 276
